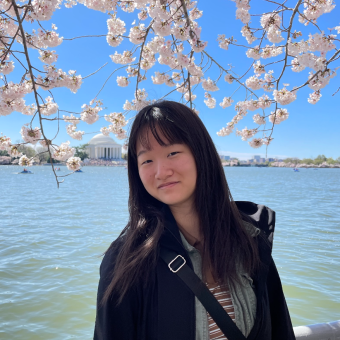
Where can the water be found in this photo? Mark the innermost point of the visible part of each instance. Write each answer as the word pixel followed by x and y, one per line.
pixel 51 241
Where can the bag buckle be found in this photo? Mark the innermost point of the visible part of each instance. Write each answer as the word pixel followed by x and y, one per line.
pixel 176 270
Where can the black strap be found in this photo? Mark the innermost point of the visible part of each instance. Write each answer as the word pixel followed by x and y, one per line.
pixel 177 265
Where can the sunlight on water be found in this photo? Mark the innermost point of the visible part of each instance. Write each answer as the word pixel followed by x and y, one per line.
pixel 51 241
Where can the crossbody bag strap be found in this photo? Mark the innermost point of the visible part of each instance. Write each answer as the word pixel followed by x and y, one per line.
pixel 177 264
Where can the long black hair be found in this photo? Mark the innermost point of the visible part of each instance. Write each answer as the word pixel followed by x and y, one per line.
pixel 227 245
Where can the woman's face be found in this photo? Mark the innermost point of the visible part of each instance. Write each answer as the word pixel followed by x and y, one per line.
pixel 168 173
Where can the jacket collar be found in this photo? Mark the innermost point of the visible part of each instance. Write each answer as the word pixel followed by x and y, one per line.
pixel 171 237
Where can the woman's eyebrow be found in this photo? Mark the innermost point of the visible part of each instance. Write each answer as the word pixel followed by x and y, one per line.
pixel 144 151
pixel 141 152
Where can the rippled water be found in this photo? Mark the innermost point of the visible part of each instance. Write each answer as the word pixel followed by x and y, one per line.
pixel 51 241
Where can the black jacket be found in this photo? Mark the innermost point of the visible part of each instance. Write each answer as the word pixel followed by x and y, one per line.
pixel 165 309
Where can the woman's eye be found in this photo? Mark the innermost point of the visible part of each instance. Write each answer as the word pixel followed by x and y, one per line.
pixel 146 162
pixel 173 153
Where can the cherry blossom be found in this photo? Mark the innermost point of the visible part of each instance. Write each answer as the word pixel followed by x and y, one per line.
pixel 314 97
pixel 209 85
pixel 227 101
pixel 13 151
pixel 256 143
pixel 254 53
pixel 254 83
pixel 25 161
pixel 90 114
pixel 278 116
pixel 122 81
pixel 5 143
pixel 284 97
pixel 30 135
pixel 73 163
pixel 246 133
pixel 49 108
pixel 72 119
pixel 258 119
pixel 210 101
pixel 248 34
pixel 48 57
pixel 63 152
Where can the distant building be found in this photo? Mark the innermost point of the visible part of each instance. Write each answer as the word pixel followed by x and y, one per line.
pixel 256 158
pixel 270 159
pixel 225 158
pixel 250 161
pixel 105 147
pixel 262 160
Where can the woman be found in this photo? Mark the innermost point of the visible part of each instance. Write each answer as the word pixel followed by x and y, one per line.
pixel 179 202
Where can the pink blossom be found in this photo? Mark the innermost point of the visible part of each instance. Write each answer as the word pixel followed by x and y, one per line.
pixel 227 101
pixel 229 78
pixel 48 57
pixel 5 142
pixel 122 81
pixel 25 161
pixel 30 135
pixel 42 10
pixel 187 97
pixel 256 143
pixel 258 119
pixel 7 68
pixel 243 15
pixel 210 101
pixel 314 97
pixel 137 34
pixel 209 85
pixel 225 131
pixel 270 20
pixel 63 152
pixel 270 51
pixel 124 58
pixel 13 151
pixel 258 68
pixel 284 97
pixel 73 163
pixel 254 53
pixel 223 42
pixel 116 26
pixel 180 33
pixel 49 108
pixel 113 40
pixel 246 133
pixel 278 116
pixel 254 83
pixel 71 119
pixel 90 114
pixel 247 33
pixel 105 131
pixel 162 28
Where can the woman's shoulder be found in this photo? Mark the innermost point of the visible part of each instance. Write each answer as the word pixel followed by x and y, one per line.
pixel 257 219
pixel 110 256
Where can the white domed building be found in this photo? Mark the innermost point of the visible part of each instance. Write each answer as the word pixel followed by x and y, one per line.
pixel 105 147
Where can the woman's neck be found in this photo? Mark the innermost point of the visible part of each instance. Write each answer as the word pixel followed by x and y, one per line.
pixel 187 219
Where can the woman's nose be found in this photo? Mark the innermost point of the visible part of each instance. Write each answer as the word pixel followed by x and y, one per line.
pixel 163 170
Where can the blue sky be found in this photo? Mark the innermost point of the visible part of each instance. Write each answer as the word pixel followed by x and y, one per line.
pixel 309 131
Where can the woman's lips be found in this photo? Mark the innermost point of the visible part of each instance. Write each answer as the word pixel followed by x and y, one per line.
pixel 169 185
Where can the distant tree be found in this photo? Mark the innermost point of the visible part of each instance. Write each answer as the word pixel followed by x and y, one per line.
pixel 292 160
pixel 338 160
pixel 320 159
pixel 27 150
pixel 124 156
pixel 42 154
pixel 307 161
pixel 81 151
pixel 330 160
pixel 3 153
pixel 53 160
